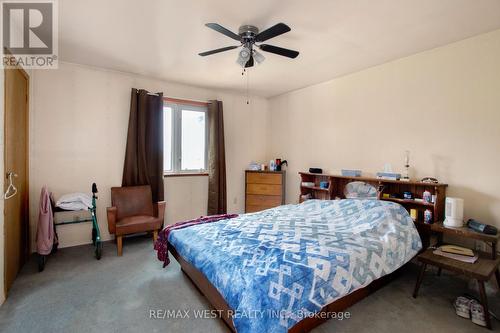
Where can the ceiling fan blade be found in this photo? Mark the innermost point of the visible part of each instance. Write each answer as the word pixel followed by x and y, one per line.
pixel 273 31
pixel 279 50
pixel 249 62
pixel 222 49
pixel 224 31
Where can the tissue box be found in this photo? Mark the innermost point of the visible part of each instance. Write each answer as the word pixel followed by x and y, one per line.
pixel 389 175
pixel 351 173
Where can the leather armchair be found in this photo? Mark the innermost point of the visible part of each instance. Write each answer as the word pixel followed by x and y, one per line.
pixel 133 211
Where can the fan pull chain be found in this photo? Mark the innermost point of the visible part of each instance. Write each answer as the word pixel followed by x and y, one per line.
pixel 248 83
pixel 248 87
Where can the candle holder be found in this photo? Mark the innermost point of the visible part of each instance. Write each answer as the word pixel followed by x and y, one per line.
pixel 406 172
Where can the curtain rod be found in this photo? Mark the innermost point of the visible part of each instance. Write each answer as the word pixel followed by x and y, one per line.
pixel 185 101
pixel 178 100
pixel 149 93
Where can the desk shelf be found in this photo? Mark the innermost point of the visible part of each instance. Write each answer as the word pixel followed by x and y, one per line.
pixel 410 202
pixel 394 188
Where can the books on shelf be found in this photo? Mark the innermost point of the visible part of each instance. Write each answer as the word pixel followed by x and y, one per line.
pixel 455 249
pixel 460 257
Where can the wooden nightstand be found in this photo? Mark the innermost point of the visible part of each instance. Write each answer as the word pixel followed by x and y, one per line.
pixel 481 270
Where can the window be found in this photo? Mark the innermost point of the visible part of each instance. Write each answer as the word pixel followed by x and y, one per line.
pixel 185 137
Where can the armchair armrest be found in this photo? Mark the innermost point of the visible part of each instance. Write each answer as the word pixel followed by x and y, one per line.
pixel 159 210
pixel 111 212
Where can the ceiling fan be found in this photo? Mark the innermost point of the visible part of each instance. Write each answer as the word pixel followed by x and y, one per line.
pixel 248 36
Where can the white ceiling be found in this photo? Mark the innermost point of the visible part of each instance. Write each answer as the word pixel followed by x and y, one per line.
pixel 161 38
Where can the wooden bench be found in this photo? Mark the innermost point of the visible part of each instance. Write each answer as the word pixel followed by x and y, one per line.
pixel 482 270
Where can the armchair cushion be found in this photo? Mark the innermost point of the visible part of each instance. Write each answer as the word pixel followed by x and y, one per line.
pixel 140 223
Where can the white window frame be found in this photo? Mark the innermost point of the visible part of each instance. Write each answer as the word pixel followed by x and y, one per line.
pixel 176 134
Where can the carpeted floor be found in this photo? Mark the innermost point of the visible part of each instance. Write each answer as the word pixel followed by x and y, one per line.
pixel 77 293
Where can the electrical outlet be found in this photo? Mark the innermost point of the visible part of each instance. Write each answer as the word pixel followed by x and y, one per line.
pixel 235 200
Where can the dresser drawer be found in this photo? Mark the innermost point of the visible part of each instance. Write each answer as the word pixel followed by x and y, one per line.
pixel 256 208
pixel 264 178
pixel 265 200
pixel 264 189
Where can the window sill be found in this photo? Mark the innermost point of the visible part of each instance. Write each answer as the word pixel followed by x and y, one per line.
pixel 185 174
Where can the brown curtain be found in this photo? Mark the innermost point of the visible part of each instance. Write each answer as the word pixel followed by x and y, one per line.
pixel 144 152
pixel 217 198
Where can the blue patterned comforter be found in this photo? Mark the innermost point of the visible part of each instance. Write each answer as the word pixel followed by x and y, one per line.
pixel 277 266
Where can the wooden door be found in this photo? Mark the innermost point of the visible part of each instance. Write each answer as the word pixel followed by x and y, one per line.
pixel 16 162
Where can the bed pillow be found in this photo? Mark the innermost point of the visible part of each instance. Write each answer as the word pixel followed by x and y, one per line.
pixel 360 190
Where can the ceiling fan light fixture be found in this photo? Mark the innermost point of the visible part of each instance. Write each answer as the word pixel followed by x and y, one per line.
pixel 248 36
pixel 258 57
pixel 244 56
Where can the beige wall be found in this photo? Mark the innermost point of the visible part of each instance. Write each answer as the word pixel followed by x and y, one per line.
pixel 443 105
pixel 80 118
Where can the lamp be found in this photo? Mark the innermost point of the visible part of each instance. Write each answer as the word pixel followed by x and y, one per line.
pixel 244 56
pixel 258 57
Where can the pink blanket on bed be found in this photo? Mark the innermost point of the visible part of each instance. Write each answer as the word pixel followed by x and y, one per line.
pixel 161 244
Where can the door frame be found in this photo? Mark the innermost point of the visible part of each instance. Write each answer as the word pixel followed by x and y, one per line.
pixel 27 234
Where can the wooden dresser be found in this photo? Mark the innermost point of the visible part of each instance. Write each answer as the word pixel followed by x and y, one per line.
pixel 264 189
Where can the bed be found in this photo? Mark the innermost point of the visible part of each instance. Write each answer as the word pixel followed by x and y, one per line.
pixel 288 268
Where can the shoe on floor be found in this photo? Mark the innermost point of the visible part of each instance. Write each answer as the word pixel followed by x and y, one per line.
pixel 463 307
pixel 477 313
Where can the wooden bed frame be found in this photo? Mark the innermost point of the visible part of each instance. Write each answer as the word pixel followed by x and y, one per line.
pixel 305 325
